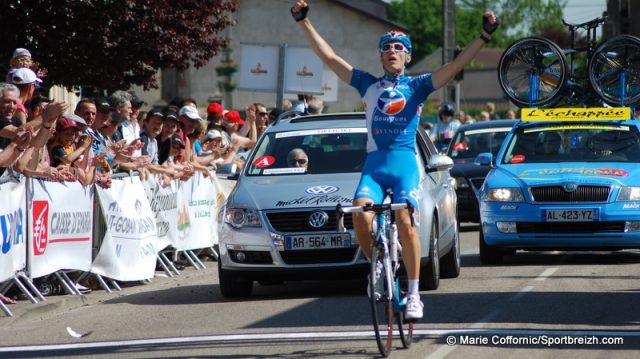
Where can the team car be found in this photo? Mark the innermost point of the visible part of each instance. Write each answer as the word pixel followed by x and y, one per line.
pixel 564 179
pixel 468 142
pixel 279 222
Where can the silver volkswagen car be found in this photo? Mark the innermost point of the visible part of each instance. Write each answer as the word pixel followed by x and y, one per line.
pixel 279 222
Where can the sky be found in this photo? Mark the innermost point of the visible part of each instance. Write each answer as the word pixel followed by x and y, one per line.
pixel 578 11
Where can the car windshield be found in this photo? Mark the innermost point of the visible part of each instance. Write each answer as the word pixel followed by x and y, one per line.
pixel 574 143
pixel 337 150
pixel 466 145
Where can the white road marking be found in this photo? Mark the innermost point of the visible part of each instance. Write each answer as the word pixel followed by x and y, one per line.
pixel 521 293
pixel 445 350
pixel 226 338
pixel 546 274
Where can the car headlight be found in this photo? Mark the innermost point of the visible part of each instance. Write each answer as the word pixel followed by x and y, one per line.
pixel 629 194
pixel 461 182
pixel 504 195
pixel 242 217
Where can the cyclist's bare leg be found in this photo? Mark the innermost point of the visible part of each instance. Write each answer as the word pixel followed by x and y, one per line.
pixel 362 226
pixel 410 244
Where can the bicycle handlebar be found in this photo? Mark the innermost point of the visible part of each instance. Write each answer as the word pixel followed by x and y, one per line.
pixel 377 208
pixel 587 25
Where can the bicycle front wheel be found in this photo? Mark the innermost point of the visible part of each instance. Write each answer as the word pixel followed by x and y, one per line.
pixel 533 72
pixel 381 306
pixel 614 70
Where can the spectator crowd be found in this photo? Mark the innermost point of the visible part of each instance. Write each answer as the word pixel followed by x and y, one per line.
pixel 42 137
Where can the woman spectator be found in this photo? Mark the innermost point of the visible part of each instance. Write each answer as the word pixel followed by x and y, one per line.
pixel 25 79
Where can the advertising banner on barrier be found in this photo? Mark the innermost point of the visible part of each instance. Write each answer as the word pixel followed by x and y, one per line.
pixel 129 248
pixel 197 209
pixel 13 202
pixel 164 204
pixel 60 227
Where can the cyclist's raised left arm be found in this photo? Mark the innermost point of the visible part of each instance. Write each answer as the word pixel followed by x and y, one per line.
pixel 321 48
pixel 444 74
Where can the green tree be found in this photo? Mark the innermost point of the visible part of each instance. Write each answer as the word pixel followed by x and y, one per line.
pixel 518 18
pixel 113 44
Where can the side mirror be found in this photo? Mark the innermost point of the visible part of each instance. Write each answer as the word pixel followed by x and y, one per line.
pixel 439 163
pixel 228 171
pixel 484 159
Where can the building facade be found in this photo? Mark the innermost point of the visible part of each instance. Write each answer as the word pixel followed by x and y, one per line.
pixel 351 27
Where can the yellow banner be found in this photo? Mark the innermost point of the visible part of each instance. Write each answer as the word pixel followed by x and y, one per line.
pixel 577 114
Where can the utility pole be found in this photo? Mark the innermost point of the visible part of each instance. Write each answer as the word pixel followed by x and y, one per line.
pixel 451 90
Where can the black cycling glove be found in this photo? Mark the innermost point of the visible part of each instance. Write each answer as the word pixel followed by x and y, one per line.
pixel 300 14
pixel 489 27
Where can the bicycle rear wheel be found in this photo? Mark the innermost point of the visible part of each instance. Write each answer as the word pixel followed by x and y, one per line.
pixel 614 70
pixel 381 308
pixel 533 72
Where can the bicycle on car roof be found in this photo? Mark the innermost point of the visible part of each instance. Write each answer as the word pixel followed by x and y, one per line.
pixel 536 72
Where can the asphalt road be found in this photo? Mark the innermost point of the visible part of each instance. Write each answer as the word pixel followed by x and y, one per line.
pixel 535 305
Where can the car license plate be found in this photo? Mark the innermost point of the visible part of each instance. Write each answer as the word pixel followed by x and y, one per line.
pixel 317 241
pixel 571 215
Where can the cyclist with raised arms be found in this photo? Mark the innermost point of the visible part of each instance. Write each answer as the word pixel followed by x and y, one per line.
pixel 391 105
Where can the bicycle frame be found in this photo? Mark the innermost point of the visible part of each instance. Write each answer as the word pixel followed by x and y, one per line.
pixel 385 248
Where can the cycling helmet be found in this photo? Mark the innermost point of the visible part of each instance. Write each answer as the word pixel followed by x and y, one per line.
pixel 396 36
pixel 446 109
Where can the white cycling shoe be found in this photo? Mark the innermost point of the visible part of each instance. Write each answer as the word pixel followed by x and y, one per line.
pixel 414 308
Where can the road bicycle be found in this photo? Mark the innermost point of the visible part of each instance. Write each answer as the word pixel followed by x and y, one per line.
pixel 391 302
pixel 535 72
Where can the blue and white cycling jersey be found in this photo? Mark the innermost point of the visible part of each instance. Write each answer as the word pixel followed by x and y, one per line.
pixel 391 106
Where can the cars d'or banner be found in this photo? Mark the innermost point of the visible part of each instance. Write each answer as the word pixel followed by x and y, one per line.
pixel 60 227
pixel 129 248
pixel 13 256
pixel 199 200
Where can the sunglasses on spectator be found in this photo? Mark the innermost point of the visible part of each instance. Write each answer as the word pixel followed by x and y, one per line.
pixel 262 113
pixel 300 161
pixel 397 46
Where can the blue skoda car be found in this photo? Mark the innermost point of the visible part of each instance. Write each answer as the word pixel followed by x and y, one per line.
pixel 564 179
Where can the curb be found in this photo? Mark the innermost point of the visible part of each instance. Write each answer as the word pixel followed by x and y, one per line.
pixel 24 310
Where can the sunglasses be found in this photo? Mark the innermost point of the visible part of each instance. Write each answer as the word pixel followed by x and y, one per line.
pixel 262 113
pixel 299 161
pixel 396 46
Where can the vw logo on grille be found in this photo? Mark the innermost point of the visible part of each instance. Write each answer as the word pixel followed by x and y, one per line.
pixel 322 189
pixel 318 219
pixel 570 187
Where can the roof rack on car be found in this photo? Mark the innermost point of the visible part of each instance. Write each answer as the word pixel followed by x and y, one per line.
pixel 288 114
pixel 297 116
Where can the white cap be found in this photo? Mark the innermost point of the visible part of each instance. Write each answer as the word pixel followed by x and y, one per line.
pixel 212 134
pixel 21 52
pixel 23 76
pixel 190 112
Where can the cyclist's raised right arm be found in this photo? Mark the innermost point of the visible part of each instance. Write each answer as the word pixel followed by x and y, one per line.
pixel 337 64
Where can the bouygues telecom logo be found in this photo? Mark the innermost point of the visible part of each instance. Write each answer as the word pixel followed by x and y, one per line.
pixel 40 227
pixel 391 102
